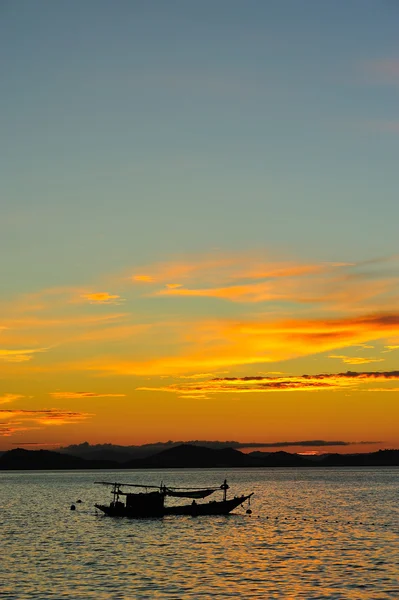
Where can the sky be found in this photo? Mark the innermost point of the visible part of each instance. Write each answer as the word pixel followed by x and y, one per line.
pixel 199 222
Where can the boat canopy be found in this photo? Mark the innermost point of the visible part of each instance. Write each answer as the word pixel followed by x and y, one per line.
pixel 176 492
pixel 186 494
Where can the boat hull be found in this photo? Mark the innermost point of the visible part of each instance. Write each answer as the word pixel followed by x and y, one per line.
pixel 123 511
pixel 224 507
pixel 210 508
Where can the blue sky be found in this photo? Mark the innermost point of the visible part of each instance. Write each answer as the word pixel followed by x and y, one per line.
pixel 131 129
pixel 169 165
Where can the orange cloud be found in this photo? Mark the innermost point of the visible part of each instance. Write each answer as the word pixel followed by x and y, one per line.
pixel 10 355
pixel 239 293
pixel 9 398
pixel 169 343
pixel 45 413
pixel 209 346
pixel 102 298
pixel 246 279
pixel 391 348
pixel 61 420
pixel 8 430
pixel 261 384
pixel 356 360
pixel 213 267
pixel 16 419
pixel 143 278
pixel 337 294
pixel 82 395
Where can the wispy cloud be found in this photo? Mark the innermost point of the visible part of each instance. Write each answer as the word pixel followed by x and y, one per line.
pixel 39 444
pixel 20 355
pixel 356 360
pixel 209 346
pixel 282 309
pixel 238 274
pixel 52 331
pixel 102 298
pixel 238 293
pixel 143 278
pixel 47 413
pixel 327 293
pixel 303 444
pixel 9 429
pixel 260 384
pixel 6 398
pixel 82 395
pixel 247 279
pixel 212 267
pixel 18 420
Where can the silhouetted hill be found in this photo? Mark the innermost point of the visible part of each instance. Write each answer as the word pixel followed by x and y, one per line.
pixel 279 459
pixel 20 459
pixel 125 453
pixel 189 456
pixel 120 454
pixel 382 458
pixel 117 456
pixel 193 456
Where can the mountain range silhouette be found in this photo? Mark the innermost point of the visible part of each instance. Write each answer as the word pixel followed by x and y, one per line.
pixel 189 456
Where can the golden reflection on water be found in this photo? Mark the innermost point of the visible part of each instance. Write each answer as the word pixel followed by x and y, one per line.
pixel 313 534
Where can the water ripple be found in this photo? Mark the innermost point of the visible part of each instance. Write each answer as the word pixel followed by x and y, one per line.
pixel 329 534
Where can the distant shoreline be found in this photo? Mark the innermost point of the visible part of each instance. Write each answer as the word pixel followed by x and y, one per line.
pixel 187 456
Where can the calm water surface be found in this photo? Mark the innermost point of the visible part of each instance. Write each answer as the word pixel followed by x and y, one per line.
pixel 312 534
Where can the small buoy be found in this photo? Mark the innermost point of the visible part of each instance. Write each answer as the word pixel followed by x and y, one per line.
pixel 73 507
pixel 249 511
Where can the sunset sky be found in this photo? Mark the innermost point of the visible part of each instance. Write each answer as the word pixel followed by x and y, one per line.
pixel 199 222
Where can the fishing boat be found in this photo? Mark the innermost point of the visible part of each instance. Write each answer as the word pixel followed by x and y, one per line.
pixel 151 501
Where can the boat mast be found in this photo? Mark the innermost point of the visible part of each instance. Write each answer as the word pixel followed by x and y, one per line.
pixel 115 492
pixel 224 487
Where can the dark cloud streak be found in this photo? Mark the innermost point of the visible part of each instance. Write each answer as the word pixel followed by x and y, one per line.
pixel 303 443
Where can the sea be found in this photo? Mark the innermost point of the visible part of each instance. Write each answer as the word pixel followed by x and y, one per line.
pixel 311 533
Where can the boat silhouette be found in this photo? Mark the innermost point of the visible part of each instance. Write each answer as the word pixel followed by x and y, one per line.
pixel 151 502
